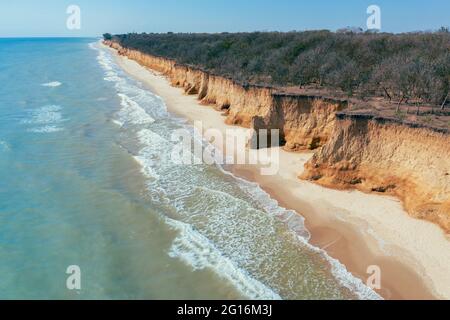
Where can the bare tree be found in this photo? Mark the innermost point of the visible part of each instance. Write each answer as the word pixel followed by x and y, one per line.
pixel 445 101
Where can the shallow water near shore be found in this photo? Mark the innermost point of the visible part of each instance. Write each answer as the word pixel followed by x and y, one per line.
pixel 87 180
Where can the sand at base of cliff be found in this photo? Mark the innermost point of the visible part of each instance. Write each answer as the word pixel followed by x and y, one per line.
pixel 360 230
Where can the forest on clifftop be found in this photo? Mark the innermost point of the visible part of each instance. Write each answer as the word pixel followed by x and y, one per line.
pixel 401 67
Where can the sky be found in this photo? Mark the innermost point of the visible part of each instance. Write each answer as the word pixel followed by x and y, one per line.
pixel 31 18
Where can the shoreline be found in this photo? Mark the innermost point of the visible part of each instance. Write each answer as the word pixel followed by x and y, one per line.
pixel 357 229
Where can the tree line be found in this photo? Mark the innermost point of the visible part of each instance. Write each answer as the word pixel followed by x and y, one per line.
pixel 402 67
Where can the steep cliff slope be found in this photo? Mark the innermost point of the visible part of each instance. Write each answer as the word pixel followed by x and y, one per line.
pixel 385 156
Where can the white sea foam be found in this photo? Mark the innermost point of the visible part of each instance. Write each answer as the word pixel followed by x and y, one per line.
pixel 149 156
pixel 43 115
pixel 291 218
pixel 151 139
pixel 120 124
pixel 132 112
pixel 198 252
pixel 106 63
pixel 146 166
pixel 152 104
pixel 132 97
pixel 48 117
pixel 45 129
pixel 113 78
pixel 104 59
pixel 124 85
pixel 349 281
pixel 4 145
pixel 52 84
pixel 93 45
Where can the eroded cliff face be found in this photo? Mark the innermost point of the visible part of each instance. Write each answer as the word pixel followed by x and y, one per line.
pixel 306 122
pixel 354 151
pixel 377 155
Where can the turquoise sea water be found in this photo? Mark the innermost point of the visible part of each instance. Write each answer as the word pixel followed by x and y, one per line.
pixel 86 180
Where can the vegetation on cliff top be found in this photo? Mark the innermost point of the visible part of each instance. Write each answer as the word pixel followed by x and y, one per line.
pixel 401 67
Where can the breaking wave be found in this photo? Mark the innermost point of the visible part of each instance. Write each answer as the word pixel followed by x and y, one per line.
pixel 52 84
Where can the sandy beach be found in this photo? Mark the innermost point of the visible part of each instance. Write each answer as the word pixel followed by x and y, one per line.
pixel 358 229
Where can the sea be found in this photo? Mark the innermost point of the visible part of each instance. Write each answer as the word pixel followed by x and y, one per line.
pixel 92 207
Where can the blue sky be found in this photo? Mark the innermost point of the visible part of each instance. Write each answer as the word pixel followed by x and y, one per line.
pixel 21 18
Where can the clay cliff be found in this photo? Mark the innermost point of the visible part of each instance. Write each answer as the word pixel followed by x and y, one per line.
pixel 385 156
pixel 362 151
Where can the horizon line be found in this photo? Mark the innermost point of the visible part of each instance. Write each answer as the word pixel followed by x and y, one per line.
pixel 219 32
